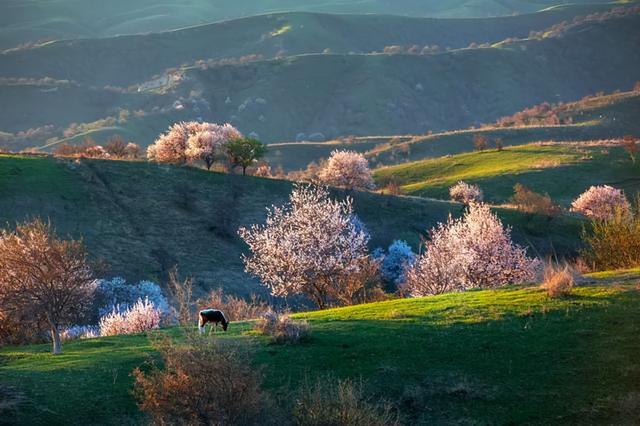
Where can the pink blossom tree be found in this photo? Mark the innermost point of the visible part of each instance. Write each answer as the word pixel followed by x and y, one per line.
pixel 347 169
pixel 601 203
pixel 191 141
pixel 466 193
pixel 474 251
pixel 311 246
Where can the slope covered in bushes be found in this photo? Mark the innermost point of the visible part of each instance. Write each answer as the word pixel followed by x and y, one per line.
pixel 459 357
pixel 142 218
pixel 563 170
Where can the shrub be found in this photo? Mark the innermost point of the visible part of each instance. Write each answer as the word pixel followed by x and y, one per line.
pixel 281 328
pixel 466 193
pixel 474 251
pixel 613 243
pixel 558 279
pixel 236 308
pixel 182 293
pixel 142 316
pixel 117 292
pixel 340 402
pixel 80 332
pixel 204 382
pixel 601 202
pixel 530 201
pixel 480 142
pixel 394 264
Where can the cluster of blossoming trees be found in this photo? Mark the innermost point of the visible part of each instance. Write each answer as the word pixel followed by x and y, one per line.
pixel 315 245
pixel 189 142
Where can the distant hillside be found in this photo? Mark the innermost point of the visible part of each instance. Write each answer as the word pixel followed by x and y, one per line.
pixel 563 170
pixel 129 60
pixel 28 21
pixel 332 95
pixel 143 218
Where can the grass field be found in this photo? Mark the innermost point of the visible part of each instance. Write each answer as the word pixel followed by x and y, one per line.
pixel 562 170
pixel 36 20
pixel 458 358
pixel 165 215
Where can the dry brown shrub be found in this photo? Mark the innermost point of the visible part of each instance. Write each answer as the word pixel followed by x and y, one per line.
pixel 530 201
pixel 559 279
pixel 340 402
pixel 203 382
pixel 181 292
pixel 282 329
pixel 235 308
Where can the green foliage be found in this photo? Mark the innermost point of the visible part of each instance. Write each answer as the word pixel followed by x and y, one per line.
pixel 243 152
pixel 473 355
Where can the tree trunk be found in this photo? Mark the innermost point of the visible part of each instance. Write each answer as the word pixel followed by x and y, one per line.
pixel 55 337
pixel 244 170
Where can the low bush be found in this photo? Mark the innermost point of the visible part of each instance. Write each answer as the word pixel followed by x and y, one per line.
pixel 559 279
pixel 80 332
pixel 118 292
pixel 601 203
pixel 203 382
pixel 340 402
pixel 281 328
pixel 142 316
pixel 613 243
pixel 530 201
pixel 235 308
pixel 465 193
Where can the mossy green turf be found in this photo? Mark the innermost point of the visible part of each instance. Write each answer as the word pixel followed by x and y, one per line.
pixel 495 357
pixel 143 218
pixel 563 171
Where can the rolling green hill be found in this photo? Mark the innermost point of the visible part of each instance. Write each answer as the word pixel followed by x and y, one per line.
pixel 460 358
pixel 563 170
pixel 143 218
pixel 364 94
pixel 128 60
pixel 597 117
pixel 25 21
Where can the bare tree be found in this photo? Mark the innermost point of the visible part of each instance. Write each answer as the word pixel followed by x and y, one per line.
pixel 44 275
pixel 182 293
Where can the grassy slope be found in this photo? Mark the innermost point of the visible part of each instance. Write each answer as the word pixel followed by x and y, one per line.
pixel 562 170
pixel 375 94
pixel 163 215
pixel 29 21
pixel 126 60
pixel 602 117
pixel 454 358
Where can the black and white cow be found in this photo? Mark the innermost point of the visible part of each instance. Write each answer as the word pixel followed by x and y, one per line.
pixel 213 316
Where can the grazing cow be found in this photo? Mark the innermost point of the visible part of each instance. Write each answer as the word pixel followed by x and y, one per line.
pixel 213 316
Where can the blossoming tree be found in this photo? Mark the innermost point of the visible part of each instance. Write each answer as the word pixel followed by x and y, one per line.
pixel 474 251
pixel 347 169
pixel 192 141
pixel 601 202
pixel 310 246
pixel 45 276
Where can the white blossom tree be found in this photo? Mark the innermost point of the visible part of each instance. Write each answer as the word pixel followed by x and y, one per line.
pixel 191 141
pixel 601 203
pixel 310 246
pixel 474 251
pixel 347 169
pixel 466 193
